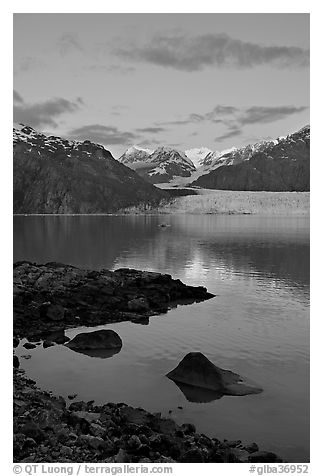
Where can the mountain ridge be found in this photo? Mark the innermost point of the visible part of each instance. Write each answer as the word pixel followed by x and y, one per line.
pixel 275 165
pixel 161 166
pixel 55 175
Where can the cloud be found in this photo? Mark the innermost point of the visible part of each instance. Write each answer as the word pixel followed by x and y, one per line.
pixel 215 116
pixel 189 53
pixel 151 130
pixel 178 122
pixel 68 43
pixel 227 135
pixel 28 63
pixel 221 110
pixel 233 117
pixel 113 68
pixel 149 144
pixel 263 114
pixel 103 134
pixel 42 113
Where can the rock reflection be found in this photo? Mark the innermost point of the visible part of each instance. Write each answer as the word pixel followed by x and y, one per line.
pixel 199 394
pixel 98 353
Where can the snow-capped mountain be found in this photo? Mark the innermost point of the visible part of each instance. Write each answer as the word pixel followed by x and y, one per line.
pixel 135 154
pixel 234 155
pixel 197 155
pixel 55 175
pixel 161 166
pixel 278 165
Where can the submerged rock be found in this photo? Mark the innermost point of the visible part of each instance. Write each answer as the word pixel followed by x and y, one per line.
pixel 103 343
pixel 201 380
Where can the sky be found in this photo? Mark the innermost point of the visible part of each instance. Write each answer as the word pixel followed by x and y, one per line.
pixel 179 80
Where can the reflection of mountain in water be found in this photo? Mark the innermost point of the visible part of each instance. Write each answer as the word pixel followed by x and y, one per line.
pixel 277 248
pixel 85 241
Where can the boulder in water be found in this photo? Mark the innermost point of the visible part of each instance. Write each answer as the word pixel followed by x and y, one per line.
pixel 102 340
pixel 196 374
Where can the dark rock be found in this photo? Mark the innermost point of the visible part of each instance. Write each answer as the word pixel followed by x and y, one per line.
pixel 233 443
pixel 15 342
pixel 91 298
pixel 31 430
pixel 62 339
pixel 56 336
pixel 47 344
pixel 29 444
pixel 93 442
pixel 155 441
pixel 46 430
pixel 252 448
pixel 188 428
pixel 97 430
pixel 138 305
pixel 144 460
pixel 71 397
pixel 83 418
pixel 239 455
pixel 122 457
pixel 78 406
pixel 144 450
pixel 53 312
pixel 28 345
pixel 102 340
pixel 193 455
pixel 15 362
pixel 133 443
pixel 66 451
pixel 47 418
pixel 264 457
pixel 196 371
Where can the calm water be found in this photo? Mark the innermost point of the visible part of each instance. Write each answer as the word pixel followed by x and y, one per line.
pixel 257 326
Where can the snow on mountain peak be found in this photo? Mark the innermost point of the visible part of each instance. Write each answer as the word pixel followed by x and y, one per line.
pixel 135 148
pixel 197 155
pixel 165 153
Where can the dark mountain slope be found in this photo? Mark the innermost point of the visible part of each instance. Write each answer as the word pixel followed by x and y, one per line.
pixel 282 166
pixel 53 175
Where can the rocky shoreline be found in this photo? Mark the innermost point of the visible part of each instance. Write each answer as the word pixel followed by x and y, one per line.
pixel 49 298
pixel 47 429
pixel 53 296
